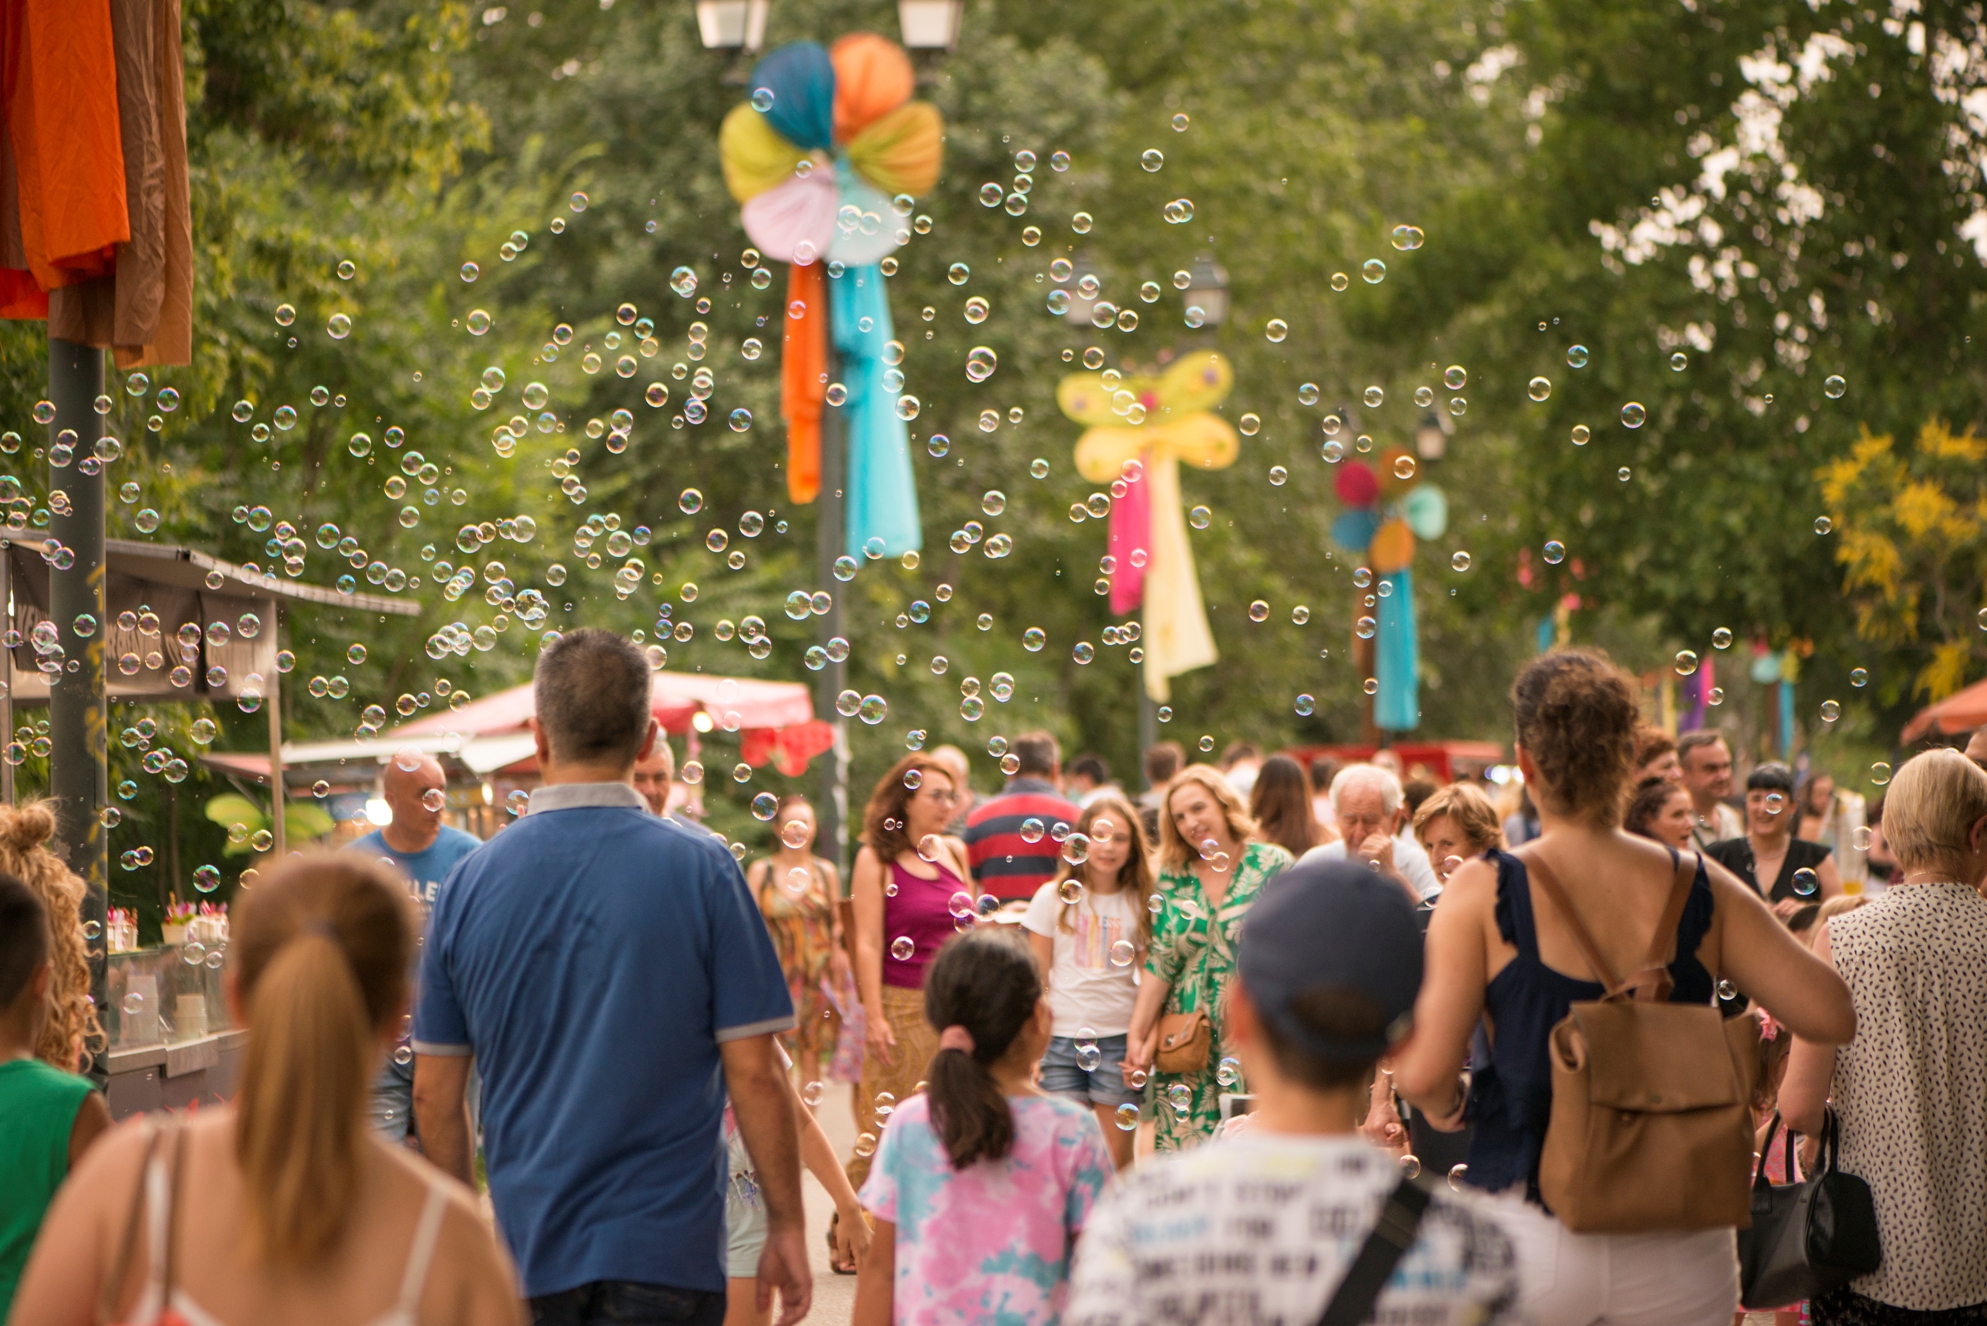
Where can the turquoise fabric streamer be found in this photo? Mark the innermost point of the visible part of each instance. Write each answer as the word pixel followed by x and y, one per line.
pixel 1396 661
pixel 802 80
pixel 882 495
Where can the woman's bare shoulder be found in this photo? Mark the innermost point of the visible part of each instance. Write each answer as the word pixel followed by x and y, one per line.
pixel 471 1279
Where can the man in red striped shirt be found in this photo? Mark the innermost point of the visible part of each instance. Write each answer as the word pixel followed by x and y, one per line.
pixel 1013 840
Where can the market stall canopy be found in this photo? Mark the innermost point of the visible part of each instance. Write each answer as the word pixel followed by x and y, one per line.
pixel 732 704
pixel 304 762
pixel 234 609
pixel 1959 712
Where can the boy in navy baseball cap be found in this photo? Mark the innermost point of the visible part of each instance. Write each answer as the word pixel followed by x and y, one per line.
pixel 1266 1223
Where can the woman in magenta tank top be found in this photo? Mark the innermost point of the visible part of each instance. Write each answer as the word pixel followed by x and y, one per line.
pixel 906 875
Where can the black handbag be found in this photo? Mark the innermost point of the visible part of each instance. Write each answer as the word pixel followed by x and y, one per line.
pixel 1806 1238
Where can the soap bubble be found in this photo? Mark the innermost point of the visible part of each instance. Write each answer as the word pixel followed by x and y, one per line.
pixel 1686 662
pixel 902 948
pixel 1806 883
pixel 1633 415
pixel 1373 270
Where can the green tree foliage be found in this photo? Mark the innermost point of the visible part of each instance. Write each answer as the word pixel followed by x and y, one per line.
pixel 1780 194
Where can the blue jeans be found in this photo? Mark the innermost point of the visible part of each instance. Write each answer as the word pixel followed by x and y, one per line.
pixel 628 1303
pixel 1104 1084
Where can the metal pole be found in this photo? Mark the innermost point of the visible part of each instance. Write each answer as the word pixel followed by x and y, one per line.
pixel 831 542
pixel 77 769
pixel 1148 726
pixel 272 695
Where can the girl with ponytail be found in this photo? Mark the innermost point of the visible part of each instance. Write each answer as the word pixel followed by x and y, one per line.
pixel 983 1182
pixel 299 1213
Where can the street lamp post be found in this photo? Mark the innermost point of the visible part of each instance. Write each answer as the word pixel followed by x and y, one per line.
pixel 830 544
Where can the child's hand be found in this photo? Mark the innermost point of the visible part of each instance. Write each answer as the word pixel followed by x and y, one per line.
pixel 852 1236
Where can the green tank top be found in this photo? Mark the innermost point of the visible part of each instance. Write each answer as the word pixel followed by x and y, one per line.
pixel 38 1107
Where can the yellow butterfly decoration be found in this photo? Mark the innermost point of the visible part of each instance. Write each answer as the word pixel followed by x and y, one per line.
pixel 1141 428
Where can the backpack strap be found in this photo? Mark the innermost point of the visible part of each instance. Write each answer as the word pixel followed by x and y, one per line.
pixel 1652 980
pixel 1582 936
pixel 1352 1302
pixel 1662 949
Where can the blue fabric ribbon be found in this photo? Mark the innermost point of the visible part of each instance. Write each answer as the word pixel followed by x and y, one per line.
pixel 802 80
pixel 1396 661
pixel 882 494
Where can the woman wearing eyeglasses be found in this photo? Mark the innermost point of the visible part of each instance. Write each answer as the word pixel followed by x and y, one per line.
pixel 907 875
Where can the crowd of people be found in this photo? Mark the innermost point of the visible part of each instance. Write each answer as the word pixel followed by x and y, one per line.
pixel 1266 1040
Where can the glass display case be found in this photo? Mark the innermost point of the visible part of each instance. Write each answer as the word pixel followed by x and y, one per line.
pixel 164 995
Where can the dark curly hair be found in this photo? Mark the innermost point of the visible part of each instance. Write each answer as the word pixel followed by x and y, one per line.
pixel 1577 717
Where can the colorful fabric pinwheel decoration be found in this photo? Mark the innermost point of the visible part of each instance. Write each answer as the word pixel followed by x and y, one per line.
pixel 1139 432
pixel 824 161
pixel 1387 509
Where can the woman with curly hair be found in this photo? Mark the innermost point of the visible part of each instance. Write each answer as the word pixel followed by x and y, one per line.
pixel 70 1031
pixel 1503 949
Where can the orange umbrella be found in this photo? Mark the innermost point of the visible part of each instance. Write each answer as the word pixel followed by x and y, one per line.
pixel 1962 711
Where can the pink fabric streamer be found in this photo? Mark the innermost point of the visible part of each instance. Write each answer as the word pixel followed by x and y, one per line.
pixel 800 210
pixel 1131 524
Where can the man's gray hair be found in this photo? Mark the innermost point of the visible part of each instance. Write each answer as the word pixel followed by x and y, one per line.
pixel 592 695
pixel 1371 777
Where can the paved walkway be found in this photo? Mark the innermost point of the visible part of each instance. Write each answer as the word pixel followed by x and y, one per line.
pixel 834 1295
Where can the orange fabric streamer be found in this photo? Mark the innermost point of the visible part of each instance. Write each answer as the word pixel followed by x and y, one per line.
pixel 58 90
pixel 803 361
pixel 872 77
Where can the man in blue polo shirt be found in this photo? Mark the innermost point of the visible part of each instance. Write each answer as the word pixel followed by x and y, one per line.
pixel 609 974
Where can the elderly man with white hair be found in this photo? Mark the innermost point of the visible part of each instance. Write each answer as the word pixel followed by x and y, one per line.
pixel 1372 819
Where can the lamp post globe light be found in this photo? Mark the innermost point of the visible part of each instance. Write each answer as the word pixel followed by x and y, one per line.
pixel 930 25
pixel 1207 293
pixel 729 25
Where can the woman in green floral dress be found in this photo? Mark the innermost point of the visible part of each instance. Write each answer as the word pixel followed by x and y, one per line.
pixel 1211 876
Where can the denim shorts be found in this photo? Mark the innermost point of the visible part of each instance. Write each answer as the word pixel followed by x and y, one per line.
pixel 744 1227
pixel 1102 1085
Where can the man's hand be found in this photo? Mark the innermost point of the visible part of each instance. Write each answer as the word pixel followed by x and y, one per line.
pixel 1378 848
pixel 441 1112
pixel 783 1268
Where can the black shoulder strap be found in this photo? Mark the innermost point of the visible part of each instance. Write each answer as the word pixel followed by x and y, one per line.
pixel 1353 1302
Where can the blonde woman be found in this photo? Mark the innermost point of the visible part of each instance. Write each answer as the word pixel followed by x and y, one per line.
pixel 1211 871
pixel 1090 927
pixel 1908 1088
pixel 1455 824
pixel 71 1028
pixel 283 1206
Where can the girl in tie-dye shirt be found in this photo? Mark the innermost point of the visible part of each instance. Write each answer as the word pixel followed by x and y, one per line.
pixel 981 1184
